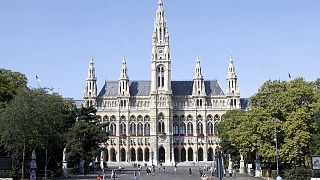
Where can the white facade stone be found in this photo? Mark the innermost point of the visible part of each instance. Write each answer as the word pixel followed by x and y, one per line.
pixel 161 120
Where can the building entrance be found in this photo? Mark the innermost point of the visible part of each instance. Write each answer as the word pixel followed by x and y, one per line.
pixel 162 154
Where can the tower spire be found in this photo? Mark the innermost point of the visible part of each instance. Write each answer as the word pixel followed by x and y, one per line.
pixel 233 93
pixel 123 87
pixel 161 62
pixel 198 82
pixel 90 93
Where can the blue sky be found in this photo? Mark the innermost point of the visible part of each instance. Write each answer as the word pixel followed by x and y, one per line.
pixel 55 39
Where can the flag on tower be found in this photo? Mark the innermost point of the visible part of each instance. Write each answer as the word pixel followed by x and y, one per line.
pixel 289 75
pixel 37 78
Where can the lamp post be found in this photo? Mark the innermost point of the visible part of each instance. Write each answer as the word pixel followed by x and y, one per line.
pixel 152 157
pixel 276 141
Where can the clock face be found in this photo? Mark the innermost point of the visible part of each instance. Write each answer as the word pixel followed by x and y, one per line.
pixel 160 51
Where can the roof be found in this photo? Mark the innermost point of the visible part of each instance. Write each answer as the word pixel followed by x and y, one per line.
pixel 142 88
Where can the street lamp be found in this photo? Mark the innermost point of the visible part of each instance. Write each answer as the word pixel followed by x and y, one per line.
pixel 276 141
pixel 152 157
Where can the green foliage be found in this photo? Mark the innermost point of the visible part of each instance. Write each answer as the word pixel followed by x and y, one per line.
pixel 294 106
pixel 35 120
pixel 84 137
pixel 10 82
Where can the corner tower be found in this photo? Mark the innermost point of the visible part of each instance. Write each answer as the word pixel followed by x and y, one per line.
pixel 232 92
pixel 90 92
pixel 160 58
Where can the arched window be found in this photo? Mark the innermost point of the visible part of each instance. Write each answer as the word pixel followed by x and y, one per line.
pixel 146 154
pixel 190 128
pixel 147 129
pixel 161 127
pixel 210 128
pixel 199 128
pixel 216 118
pixel 175 128
pixel 105 118
pixel 132 129
pixel 160 75
pixel 189 117
pixel 146 117
pixel 183 128
pixel 132 118
pixel 140 129
pixel 123 128
pixel 113 128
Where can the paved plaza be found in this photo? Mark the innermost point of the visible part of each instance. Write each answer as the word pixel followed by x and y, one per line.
pixel 169 174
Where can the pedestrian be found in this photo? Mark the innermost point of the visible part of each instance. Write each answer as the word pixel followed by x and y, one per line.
pixel 153 170
pixel 134 175
pixel 99 178
pixel 175 168
pixel 201 172
pixel 163 168
pixel 190 172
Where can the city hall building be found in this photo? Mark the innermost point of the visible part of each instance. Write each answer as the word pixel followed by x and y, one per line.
pixel 161 120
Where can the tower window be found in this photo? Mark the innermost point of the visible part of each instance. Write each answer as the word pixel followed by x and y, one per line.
pixel 160 74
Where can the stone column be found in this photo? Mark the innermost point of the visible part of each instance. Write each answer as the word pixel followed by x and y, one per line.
pixel 241 170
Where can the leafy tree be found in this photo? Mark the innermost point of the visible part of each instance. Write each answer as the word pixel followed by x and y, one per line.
pixel 293 105
pixel 10 82
pixel 35 120
pixel 84 138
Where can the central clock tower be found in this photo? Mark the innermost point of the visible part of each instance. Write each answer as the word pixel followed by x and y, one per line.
pixel 160 59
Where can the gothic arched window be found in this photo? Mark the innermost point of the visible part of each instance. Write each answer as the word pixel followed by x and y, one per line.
pixel 175 128
pixel 132 129
pixel 182 128
pixel 160 74
pixel 146 129
pixel 210 128
pixel 122 128
pixel 140 128
pixel 113 129
pixel 189 128
pixel 199 128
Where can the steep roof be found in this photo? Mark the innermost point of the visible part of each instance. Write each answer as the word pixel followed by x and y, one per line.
pixel 142 88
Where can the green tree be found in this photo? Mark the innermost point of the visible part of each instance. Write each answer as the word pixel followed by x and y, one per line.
pixel 293 106
pixel 84 138
pixel 10 82
pixel 35 120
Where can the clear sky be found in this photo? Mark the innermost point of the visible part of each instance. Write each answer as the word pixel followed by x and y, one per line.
pixel 55 39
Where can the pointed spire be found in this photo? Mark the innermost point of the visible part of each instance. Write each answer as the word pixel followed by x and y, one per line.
pixel 231 68
pixel 197 71
pixel 124 74
pixel 160 33
pixel 91 70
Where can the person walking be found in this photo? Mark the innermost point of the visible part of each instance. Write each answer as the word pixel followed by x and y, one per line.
pixel 190 172
pixel 134 175
pixel 99 178
pixel 175 168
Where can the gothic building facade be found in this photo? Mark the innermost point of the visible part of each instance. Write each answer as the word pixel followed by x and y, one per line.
pixel 161 120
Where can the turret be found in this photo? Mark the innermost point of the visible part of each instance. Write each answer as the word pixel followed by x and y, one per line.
pixel 198 90
pixel 232 92
pixel 123 88
pixel 90 92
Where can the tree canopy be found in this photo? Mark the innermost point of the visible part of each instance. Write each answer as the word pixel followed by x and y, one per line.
pixel 84 138
pixel 293 106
